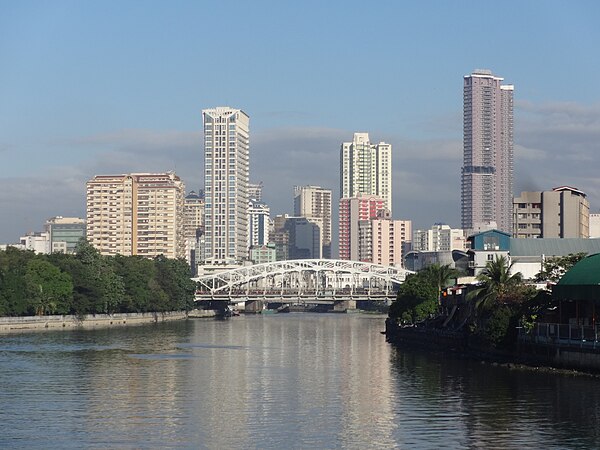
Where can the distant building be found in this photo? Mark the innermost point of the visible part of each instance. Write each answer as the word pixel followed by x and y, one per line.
pixel 314 203
pixel 65 233
pixel 594 225
pixel 439 238
pixel 258 221
pixel 263 254
pixel 255 191
pixel 136 214
pixel 487 172
pixel 37 242
pixel 366 169
pixel 193 227
pixel 296 238
pixel 562 212
pixel 226 177
pixel 352 211
pixel 382 240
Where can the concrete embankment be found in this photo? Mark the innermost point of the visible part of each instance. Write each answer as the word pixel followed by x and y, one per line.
pixel 525 354
pixel 33 323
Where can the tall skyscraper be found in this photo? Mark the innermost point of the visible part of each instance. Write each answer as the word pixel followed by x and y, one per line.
pixel 136 214
pixel 487 172
pixel 226 178
pixel 366 169
pixel 314 203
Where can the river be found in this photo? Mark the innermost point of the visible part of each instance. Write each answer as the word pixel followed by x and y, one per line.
pixel 276 381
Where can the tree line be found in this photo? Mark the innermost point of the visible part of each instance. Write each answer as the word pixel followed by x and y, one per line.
pixel 89 283
pixel 499 302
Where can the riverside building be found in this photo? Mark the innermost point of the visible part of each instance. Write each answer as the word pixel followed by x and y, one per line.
pixel 226 178
pixel 136 214
pixel 487 171
pixel 563 212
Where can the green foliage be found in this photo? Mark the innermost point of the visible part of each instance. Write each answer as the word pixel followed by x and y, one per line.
pixel 89 283
pixel 49 290
pixel 497 285
pixel 417 298
pixel 499 326
pixel 555 267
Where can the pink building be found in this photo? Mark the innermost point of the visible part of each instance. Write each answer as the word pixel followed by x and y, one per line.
pixel 352 211
pixel 383 240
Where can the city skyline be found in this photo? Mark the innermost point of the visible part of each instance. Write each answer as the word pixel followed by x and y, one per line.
pixel 82 96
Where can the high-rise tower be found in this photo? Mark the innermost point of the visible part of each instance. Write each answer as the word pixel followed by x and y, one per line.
pixel 226 177
pixel 487 172
pixel 366 169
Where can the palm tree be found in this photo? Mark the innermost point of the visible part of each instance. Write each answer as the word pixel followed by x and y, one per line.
pixel 441 274
pixel 496 284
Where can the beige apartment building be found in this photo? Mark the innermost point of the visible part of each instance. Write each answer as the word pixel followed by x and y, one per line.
pixel 563 212
pixel 136 214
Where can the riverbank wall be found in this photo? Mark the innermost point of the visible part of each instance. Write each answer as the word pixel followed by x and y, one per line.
pixel 525 353
pixel 90 321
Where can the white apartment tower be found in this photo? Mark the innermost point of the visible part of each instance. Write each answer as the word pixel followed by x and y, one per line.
pixel 226 178
pixel 366 169
pixel 487 172
pixel 314 203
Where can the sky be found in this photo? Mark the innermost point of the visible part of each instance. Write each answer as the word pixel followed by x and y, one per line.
pixel 111 87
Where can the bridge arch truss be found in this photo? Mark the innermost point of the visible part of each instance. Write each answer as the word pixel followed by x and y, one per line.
pixel 314 277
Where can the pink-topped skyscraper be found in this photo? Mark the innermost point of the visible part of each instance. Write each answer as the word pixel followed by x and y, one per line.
pixel 487 172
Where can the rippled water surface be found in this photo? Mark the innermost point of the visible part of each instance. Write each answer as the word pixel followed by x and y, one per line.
pixel 276 381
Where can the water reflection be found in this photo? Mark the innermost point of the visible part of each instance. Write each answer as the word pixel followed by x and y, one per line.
pixel 281 381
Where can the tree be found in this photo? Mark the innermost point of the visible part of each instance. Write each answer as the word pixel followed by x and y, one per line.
pixel 49 290
pixel 496 284
pixel 417 298
pixel 553 268
pixel 441 274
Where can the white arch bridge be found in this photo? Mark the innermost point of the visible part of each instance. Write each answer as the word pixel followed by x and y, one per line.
pixel 312 281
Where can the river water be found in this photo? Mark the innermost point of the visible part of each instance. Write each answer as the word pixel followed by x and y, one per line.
pixel 276 381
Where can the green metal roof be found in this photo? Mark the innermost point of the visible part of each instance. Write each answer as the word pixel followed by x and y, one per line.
pixel 582 282
pixel 553 246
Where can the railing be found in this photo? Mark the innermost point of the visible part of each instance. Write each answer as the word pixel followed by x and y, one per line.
pixel 562 335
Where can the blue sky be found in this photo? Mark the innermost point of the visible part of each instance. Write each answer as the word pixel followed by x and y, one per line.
pixel 113 87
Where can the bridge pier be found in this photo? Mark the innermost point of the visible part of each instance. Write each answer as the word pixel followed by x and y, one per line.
pixel 254 306
pixel 343 305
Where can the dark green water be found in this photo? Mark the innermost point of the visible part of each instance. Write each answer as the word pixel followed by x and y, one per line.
pixel 276 381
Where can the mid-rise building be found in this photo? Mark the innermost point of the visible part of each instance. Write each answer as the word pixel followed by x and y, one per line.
pixel 352 211
pixel 263 254
pixel 193 227
pixel 296 238
pixel 258 221
pixel 487 171
pixel 226 178
pixel 383 240
pixel 255 191
pixel 136 214
pixel 38 242
pixel 563 212
pixel 366 169
pixel 65 233
pixel 439 238
pixel 314 203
